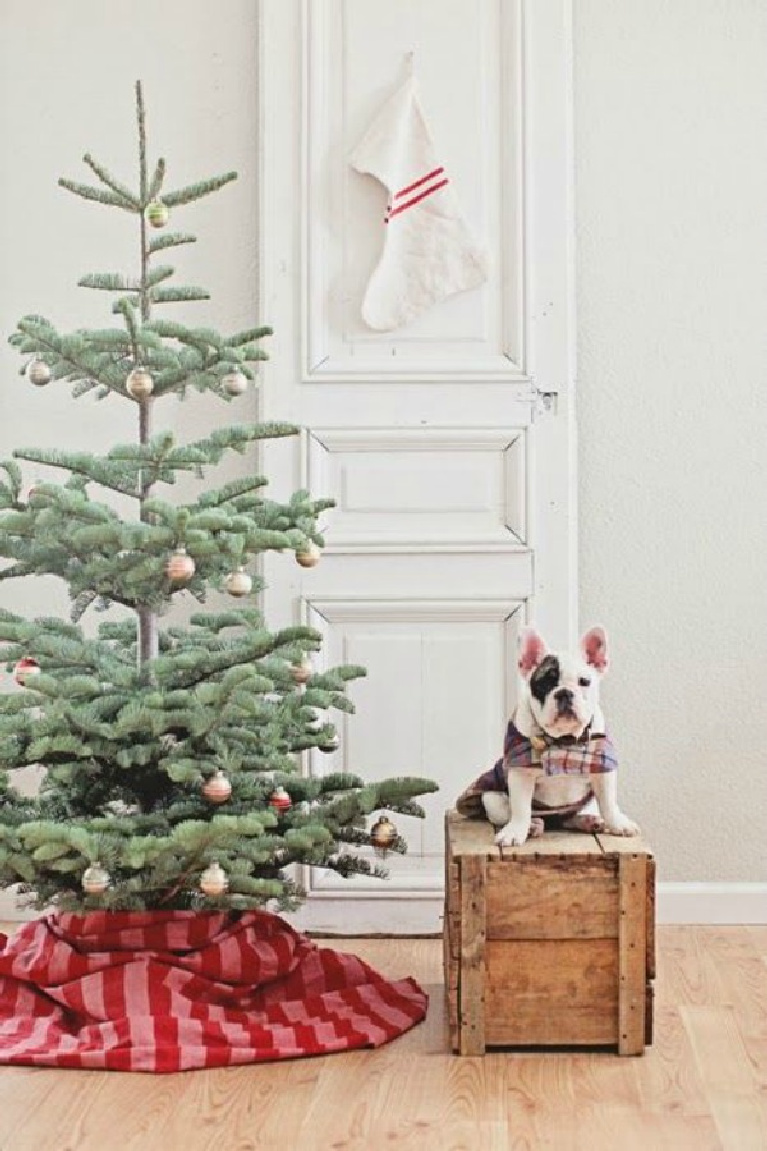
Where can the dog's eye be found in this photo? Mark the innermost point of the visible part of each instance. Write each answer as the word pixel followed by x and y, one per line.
pixel 584 682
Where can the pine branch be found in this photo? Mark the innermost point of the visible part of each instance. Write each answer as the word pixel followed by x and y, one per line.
pixel 170 240
pixel 111 182
pixel 98 195
pixel 198 190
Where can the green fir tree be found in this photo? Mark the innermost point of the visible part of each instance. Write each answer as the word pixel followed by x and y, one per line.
pixel 133 723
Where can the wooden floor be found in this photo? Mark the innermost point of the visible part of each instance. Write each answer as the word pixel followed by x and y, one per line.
pixel 703 1086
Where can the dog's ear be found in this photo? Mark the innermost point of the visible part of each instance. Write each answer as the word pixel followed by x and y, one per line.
pixel 594 649
pixel 532 649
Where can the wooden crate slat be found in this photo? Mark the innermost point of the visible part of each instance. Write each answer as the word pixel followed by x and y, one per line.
pixel 632 954
pixel 471 979
pixel 543 993
pixel 557 898
pixel 473 837
pixel 555 843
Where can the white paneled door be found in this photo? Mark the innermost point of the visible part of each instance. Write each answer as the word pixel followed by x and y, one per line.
pixel 447 444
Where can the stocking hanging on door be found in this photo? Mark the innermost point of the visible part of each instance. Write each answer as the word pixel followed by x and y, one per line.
pixel 429 252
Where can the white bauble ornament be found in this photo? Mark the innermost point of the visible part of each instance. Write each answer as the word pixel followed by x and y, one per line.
pixel 180 567
pixel 234 383
pixel 38 373
pixel 156 214
pixel 213 880
pixel 217 789
pixel 309 556
pixel 238 582
pixel 302 671
pixel 95 879
pixel 139 384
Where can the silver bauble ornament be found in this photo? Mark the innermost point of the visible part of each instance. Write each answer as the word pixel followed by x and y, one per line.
pixel 213 880
pixel 309 555
pixel 180 567
pixel 217 789
pixel 234 383
pixel 238 583
pixel 95 879
pixel 38 373
pixel 139 384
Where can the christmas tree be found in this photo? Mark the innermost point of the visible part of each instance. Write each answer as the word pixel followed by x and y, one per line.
pixel 171 755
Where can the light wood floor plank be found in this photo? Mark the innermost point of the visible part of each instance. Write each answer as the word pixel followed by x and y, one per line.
pixel 702 1087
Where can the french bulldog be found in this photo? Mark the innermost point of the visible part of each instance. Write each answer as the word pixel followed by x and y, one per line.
pixel 558 759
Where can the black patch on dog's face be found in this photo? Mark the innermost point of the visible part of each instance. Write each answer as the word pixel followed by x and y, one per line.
pixel 545 678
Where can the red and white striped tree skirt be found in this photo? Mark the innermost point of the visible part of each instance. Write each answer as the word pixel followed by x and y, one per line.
pixel 178 990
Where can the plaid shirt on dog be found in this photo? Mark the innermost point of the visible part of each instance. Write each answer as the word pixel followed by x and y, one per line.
pixel 592 754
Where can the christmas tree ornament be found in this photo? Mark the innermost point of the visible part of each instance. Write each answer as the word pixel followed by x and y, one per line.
pixel 302 671
pixel 309 556
pixel 238 583
pixel 156 214
pixel 280 800
pixel 330 745
pixel 96 879
pixel 213 880
pixel 26 669
pixel 180 567
pixel 382 835
pixel 234 383
pixel 217 789
pixel 139 384
pixel 38 373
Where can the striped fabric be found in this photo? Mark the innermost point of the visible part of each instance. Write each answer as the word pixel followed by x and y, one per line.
pixel 180 990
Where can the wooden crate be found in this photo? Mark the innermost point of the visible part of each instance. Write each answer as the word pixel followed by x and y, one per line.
pixel 550 944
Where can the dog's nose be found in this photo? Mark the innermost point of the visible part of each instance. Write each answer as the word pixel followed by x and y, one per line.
pixel 564 698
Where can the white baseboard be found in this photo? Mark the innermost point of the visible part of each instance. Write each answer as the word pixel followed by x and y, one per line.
pixel 712 904
pixel 706 904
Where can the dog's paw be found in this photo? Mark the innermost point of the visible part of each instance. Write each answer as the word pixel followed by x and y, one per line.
pixel 588 823
pixel 537 828
pixel 512 835
pixel 622 825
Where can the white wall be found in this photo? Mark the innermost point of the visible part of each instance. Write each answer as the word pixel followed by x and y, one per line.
pixel 671 187
pixel 671 112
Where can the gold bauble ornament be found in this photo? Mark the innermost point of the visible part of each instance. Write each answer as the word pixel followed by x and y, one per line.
pixel 238 583
pixel 38 373
pixel 302 671
pixel 180 567
pixel 382 835
pixel 213 880
pixel 95 879
pixel 234 383
pixel 156 214
pixel 139 384
pixel 217 789
pixel 309 556
pixel 26 669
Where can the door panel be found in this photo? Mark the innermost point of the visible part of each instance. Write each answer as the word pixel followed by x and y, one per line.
pixel 447 445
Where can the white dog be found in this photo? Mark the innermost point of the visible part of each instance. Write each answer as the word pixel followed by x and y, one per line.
pixel 558 760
